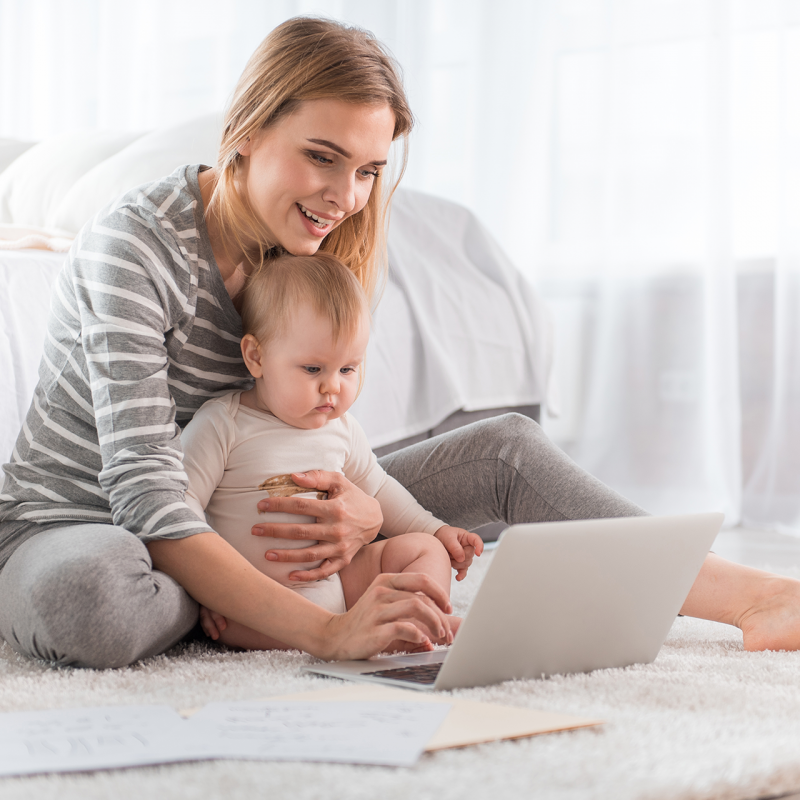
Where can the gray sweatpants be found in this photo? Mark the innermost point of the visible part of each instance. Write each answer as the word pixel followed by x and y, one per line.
pixel 87 595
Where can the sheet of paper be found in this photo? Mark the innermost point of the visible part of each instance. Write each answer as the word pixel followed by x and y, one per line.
pixel 390 733
pixel 76 739
pixel 469 722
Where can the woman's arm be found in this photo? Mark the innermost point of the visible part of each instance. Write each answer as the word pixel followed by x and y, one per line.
pixel 411 608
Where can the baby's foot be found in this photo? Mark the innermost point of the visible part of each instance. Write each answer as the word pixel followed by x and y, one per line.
pixel 455 624
pixel 773 623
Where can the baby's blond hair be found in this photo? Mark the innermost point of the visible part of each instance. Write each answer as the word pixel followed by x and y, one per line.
pixel 286 282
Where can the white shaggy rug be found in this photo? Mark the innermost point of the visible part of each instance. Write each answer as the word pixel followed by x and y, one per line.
pixel 705 720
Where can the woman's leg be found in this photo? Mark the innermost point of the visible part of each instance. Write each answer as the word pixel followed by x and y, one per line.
pixel 505 468
pixel 501 469
pixel 88 596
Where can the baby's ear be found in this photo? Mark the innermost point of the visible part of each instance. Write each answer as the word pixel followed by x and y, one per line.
pixel 251 353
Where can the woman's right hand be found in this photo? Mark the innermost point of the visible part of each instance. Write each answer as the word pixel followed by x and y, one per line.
pixel 408 608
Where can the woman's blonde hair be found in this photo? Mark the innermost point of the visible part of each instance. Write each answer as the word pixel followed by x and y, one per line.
pixel 323 281
pixel 307 58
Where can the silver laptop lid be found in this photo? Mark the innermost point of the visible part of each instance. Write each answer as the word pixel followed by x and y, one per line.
pixel 576 596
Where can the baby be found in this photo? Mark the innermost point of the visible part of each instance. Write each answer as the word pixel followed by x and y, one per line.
pixel 306 322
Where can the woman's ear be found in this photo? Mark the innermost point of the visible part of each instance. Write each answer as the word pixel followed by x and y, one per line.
pixel 244 149
pixel 251 353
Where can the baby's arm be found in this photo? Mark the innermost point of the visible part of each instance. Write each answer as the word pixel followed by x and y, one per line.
pixel 401 512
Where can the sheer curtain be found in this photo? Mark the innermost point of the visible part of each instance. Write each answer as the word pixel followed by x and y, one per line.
pixel 672 256
pixel 638 159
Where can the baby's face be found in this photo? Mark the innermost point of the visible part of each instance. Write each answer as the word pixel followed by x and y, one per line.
pixel 305 379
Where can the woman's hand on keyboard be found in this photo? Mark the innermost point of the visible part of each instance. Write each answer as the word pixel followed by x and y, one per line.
pixel 402 611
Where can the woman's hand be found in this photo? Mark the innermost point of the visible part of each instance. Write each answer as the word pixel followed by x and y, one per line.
pixel 462 546
pixel 346 521
pixel 403 610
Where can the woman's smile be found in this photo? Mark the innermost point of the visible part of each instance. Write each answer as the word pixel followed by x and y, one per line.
pixel 315 225
pixel 320 220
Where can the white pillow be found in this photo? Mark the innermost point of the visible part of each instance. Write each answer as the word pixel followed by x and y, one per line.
pixel 147 159
pixel 11 149
pixel 33 185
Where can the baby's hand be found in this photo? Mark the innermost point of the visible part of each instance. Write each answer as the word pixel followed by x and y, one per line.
pixel 462 547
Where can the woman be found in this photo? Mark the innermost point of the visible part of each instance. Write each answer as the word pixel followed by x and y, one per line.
pixel 103 561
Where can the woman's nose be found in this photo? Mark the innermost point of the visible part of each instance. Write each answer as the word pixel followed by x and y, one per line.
pixel 341 192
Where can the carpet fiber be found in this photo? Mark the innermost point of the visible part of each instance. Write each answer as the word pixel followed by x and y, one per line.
pixel 705 720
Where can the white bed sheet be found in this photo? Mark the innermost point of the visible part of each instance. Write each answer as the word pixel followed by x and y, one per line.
pixel 26 277
pixel 458 327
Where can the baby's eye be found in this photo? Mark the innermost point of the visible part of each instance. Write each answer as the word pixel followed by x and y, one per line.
pixel 311 370
pixel 347 370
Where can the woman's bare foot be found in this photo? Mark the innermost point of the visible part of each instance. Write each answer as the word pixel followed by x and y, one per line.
pixel 765 606
pixel 773 622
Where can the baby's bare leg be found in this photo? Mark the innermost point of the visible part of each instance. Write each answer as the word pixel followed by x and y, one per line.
pixel 418 552
pixel 410 552
pixel 421 552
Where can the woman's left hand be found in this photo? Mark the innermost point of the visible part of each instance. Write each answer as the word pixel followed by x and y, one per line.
pixel 346 521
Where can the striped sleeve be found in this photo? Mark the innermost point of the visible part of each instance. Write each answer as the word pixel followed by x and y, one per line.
pixel 141 334
pixel 128 303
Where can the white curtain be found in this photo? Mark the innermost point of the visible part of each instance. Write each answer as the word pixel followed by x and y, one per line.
pixel 638 159
pixel 672 256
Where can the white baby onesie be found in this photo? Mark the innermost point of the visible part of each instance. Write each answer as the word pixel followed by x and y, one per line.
pixel 229 450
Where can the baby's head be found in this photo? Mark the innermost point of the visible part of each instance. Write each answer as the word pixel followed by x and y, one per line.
pixel 306 326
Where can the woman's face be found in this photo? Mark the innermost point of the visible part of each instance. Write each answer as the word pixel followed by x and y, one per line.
pixel 320 160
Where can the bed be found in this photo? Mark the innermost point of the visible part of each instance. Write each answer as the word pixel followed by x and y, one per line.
pixel 459 333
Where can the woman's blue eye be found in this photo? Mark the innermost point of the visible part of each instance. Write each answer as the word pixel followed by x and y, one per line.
pixel 321 159
pixel 366 173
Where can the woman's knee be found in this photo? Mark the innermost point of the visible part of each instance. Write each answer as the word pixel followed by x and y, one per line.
pixel 514 428
pixel 79 601
pixel 490 438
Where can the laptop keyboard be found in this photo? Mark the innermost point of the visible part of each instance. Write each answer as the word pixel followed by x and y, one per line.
pixel 420 673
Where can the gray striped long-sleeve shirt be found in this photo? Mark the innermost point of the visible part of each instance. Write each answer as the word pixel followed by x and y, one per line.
pixel 141 333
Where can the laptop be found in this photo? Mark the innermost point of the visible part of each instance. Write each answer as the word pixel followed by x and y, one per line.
pixel 557 598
